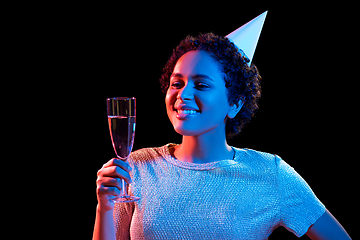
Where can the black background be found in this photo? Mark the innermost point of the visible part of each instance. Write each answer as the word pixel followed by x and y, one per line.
pixel 88 52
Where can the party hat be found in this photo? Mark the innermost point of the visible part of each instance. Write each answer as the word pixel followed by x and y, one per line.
pixel 247 36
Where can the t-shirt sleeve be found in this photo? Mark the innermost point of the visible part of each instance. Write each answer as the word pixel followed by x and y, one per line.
pixel 299 206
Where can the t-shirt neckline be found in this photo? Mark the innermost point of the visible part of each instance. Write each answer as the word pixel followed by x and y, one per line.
pixel 200 166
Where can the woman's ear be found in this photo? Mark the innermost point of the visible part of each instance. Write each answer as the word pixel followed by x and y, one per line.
pixel 235 108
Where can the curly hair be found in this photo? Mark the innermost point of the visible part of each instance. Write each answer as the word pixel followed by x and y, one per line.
pixel 242 82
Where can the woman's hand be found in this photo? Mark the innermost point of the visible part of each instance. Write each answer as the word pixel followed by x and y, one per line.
pixel 109 182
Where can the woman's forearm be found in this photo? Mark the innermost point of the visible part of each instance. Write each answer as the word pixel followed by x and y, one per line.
pixel 104 228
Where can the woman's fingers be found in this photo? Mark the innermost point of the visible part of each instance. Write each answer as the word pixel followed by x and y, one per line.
pixel 116 168
pixel 116 172
pixel 109 182
pixel 119 163
pixel 105 191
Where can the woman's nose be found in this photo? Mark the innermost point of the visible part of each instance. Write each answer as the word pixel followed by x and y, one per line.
pixel 185 93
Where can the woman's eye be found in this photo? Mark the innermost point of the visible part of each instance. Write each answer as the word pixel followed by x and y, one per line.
pixel 202 86
pixel 176 85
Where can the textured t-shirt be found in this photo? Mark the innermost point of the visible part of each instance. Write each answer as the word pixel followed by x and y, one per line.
pixel 243 198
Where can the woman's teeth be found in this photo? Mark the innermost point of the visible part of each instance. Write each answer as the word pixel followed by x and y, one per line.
pixel 186 111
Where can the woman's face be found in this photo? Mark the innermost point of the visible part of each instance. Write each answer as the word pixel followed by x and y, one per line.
pixel 196 101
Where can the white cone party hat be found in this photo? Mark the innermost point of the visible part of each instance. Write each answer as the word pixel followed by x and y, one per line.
pixel 247 36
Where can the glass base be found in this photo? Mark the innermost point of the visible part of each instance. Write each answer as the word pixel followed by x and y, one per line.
pixel 126 199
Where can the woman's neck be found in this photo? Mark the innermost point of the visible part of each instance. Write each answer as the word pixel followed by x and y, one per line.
pixel 208 147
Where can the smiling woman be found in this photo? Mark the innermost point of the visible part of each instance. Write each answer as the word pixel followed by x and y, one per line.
pixel 203 188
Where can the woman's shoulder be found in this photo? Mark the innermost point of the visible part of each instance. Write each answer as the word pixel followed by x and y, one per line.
pixel 256 155
pixel 257 158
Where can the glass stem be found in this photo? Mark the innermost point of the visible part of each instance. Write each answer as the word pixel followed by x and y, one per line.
pixel 124 191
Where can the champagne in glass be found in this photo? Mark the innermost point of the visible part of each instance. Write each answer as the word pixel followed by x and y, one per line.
pixel 121 113
pixel 122 131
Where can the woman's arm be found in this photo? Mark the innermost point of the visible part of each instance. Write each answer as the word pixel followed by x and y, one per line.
pixel 327 228
pixel 104 228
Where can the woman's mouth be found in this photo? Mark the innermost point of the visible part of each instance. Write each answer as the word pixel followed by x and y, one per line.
pixel 185 114
pixel 186 111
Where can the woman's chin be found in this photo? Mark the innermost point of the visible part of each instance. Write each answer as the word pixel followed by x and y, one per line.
pixel 192 131
pixel 185 132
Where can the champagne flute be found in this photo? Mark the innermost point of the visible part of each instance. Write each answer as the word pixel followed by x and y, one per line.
pixel 121 112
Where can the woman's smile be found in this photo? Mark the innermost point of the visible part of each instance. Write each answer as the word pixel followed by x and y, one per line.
pixel 185 112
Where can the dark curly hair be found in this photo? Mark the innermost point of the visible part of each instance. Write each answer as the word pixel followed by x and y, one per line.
pixel 242 82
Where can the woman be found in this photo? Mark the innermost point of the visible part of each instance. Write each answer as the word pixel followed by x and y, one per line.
pixel 203 188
